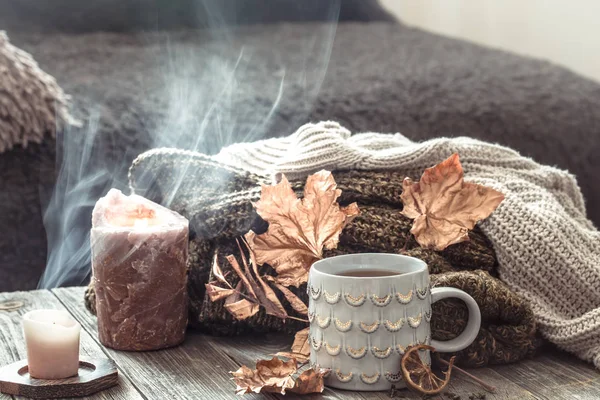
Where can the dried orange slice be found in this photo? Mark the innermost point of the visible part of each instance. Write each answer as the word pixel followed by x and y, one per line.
pixel 419 376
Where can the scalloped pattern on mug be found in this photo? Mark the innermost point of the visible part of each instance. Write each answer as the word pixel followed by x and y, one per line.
pixel 323 322
pixel 369 328
pixel 356 353
pixel 404 298
pixel 342 326
pixel 426 341
pixel 315 293
pixel 333 350
pixel 311 316
pixel 393 377
pixel 414 322
pixel 343 378
pixel 316 344
pixel 332 298
pixel 422 293
pixel 401 349
pixel 355 301
pixel 393 326
pixel 380 301
pixel 381 353
pixel 428 315
pixel 370 379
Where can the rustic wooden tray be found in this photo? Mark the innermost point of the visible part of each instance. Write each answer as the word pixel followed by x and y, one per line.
pixel 94 375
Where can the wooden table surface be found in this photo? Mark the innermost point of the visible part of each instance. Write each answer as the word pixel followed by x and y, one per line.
pixel 198 369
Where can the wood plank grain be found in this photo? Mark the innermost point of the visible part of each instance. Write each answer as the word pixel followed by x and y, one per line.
pixel 555 375
pixel 197 369
pixel 12 342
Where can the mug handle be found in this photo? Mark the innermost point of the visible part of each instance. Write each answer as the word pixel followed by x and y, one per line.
pixel 467 337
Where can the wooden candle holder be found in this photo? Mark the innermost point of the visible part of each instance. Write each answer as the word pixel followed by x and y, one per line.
pixel 94 376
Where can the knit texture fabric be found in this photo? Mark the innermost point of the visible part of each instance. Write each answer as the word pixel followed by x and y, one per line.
pixel 32 105
pixel 548 251
pixel 217 199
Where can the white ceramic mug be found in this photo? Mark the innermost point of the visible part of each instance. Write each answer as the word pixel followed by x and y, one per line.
pixel 361 326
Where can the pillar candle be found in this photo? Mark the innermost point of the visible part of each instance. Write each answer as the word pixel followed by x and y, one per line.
pixel 139 271
pixel 52 339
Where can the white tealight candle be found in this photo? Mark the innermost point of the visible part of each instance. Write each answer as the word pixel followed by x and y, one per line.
pixel 52 339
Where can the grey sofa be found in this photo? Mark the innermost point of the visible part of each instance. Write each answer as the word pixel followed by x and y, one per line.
pixel 381 76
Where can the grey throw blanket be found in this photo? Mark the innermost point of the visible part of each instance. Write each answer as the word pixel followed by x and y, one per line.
pixel 548 251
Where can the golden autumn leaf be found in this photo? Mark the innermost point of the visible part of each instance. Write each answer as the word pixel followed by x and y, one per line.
pixel 288 354
pixel 216 293
pixel 242 309
pixel 300 347
pixel 310 381
pixel 251 292
pixel 444 207
pixel 244 277
pixel 247 380
pixel 299 229
pixel 266 295
pixel 419 376
pixel 295 301
pixel 236 295
pixel 217 272
pixel 272 375
pixel 277 376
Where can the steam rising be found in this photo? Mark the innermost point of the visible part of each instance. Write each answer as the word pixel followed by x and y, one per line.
pixel 201 90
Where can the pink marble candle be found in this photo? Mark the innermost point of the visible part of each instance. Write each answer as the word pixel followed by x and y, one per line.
pixel 139 271
pixel 52 339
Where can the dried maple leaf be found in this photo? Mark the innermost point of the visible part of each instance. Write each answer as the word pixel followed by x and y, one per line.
pixel 251 292
pixel 242 309
pixel 444 207
pixel 310 381
pixel 300 347
pixel 217 272
pixel 265 296
pixel 216 293
pixel 242 275
pixel 247 380
pixel 295 301
pixel 292 356
pixel 277 376
pixel 299 229
pixel 419 376
pixel 269 376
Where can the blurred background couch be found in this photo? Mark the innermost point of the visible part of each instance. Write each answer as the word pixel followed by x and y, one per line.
pixel 141 70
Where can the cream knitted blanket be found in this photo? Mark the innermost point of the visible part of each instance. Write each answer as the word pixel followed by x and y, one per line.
pixel 548 251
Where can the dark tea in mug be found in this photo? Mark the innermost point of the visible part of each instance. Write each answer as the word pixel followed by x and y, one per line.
pixel 368 273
